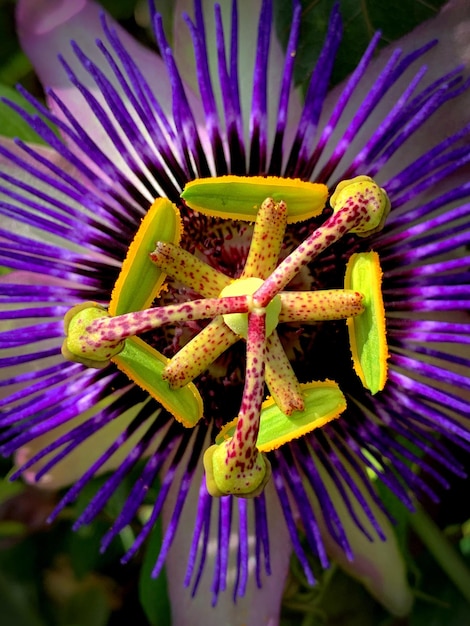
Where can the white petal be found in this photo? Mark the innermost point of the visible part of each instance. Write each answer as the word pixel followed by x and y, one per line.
pixel 77 462
pixel 452 28
pixel 259 607
pixel 46 28
pixel 377 564
pixel 248 14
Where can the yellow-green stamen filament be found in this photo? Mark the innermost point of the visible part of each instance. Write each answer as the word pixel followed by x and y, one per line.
pixel 267 239
pixel 281 379
pixel 197 355
pixel 189 270
pixel 323 305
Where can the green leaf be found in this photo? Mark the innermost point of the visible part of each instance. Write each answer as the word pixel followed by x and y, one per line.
pixel 9 489
pixel 14 67
pixel 335 599
pixel 87 606
pixel 19 563
pixel 439 602
pixel 361 20
pixel 11 529
pixel 119 9
pixel 153 591
pixel 401 517
pixel 465 546
pixel 11 124
pixel 83 547
pixel 15 605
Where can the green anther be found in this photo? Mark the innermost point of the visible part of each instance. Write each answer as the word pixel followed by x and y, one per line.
pixel 144 365
pixel 323 402
pixel 83 346
pixel 240 197
pixel 367 332
pixel 238 322
pixel 140 280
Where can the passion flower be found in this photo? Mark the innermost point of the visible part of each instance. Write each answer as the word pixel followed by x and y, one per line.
pixel 347 298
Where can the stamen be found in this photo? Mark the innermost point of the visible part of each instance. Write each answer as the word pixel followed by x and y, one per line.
pixel 189 270
pixel 145 366
pixel 240 197
pixel 324 402
pixel 249 307
pixel 140 280
pixel 197 355
pixel 315 306
pixel 367 332
pixel 280 378
pixel 266 243
pixel 236 467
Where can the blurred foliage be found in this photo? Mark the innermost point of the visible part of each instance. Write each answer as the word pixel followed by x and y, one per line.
pixel 152 591
pixel 394 18
pixel 11 124
pixel 50 576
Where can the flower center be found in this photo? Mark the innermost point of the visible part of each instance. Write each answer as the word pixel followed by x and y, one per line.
pixel 238 322
pixel 248 308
